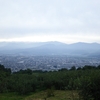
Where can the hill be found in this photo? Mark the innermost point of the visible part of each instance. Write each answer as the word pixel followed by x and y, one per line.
pixel 50 48
pixel 59 95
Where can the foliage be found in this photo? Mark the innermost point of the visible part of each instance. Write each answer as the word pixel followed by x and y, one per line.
pixel 86 80
pixel 91 87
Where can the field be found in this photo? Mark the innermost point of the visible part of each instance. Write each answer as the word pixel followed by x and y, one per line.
pixel 58 95
pixel 11 96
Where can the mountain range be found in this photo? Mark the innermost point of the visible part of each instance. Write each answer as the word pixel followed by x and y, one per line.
pixel 50 48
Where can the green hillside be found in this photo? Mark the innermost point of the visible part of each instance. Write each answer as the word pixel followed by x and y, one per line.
pixel 56 85
pixel 58 95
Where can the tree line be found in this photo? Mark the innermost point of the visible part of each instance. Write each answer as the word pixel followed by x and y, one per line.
pixel 85 80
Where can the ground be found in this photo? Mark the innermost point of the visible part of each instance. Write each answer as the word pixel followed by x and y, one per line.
pixel 58 95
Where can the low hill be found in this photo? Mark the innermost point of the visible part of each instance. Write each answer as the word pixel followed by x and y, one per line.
pixel 50 48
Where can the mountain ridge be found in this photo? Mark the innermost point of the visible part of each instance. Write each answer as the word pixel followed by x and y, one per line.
pixel 49 48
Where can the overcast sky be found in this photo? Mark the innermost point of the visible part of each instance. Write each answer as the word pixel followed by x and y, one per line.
pixel 50 20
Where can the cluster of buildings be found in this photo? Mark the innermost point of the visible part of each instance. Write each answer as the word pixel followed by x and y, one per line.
pixel 46 63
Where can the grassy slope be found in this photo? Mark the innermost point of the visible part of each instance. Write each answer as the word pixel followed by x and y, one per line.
pixel 58 95
pixel 11 96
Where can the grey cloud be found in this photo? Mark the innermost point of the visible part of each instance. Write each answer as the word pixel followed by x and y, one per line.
pixel 22 17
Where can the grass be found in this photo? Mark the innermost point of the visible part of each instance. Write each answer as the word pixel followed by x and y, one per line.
pixel 58 95
pixel 11 96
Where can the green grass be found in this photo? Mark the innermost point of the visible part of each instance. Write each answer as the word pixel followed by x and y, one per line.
pixel 58 95
pixel 11 96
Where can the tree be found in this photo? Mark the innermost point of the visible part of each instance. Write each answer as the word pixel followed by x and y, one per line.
pixel 91 87
pixel 73 68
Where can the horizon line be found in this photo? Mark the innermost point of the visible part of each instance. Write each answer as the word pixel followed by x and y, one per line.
pixel 46 41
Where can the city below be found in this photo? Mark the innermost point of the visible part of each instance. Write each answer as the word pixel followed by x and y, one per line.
pixel 48 56
pixel 46 63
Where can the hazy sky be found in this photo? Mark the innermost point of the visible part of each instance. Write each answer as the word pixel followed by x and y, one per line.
pixel 50 20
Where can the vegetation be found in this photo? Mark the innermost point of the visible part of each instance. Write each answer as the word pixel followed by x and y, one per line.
pixel 83 82
pixel 11 96
pixel 58 95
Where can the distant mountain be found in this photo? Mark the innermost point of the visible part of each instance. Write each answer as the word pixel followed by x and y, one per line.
pixel 50 48
pixel 18 45
pixel 85 46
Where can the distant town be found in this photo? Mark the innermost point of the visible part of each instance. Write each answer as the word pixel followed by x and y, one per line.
pixel 46 63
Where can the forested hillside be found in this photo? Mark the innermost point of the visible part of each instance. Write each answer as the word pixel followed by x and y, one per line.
pixel 85 80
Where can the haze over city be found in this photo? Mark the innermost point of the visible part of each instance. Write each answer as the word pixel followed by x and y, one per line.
pixel 67 21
